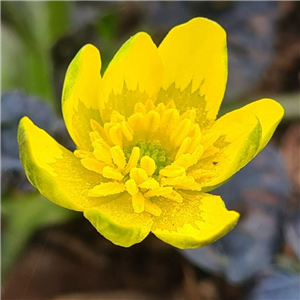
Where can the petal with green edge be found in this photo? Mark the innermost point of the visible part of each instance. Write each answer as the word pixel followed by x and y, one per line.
pixel 117 221
pixel 133 75
pixel 238 143
pixel 194 56
pixel 268 112
pixel 199 220
pixel 81 95
pixel 54 170
pixel 246 131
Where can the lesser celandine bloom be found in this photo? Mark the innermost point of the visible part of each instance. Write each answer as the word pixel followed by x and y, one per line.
pixel 149 147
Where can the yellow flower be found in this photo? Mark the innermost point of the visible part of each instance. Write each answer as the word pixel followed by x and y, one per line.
pixel 149 147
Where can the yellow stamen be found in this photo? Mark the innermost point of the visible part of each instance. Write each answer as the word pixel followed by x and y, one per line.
pixel 152 121
pixel 190 114
pixel 139 175
pixel 149 184
pixel 107 127
pixel 118 157
pixel 106 189
pixel 133 159
pixel 127 131
pixel 195 142
pixel 116 117
pixel 170 104
pixel 183 147
pixel 97 127
pixel 169 119
pixel 111 173
pixel 189 159
pixel 160 108
pixel 102 154
pixel 94 135
pixel 195 130
pixel 172 180
pixel 140 108
pixel 149 105
pixel 160 191
pixel 174 196
pixel 115 134
pixel 136 121
pixel 196 155
pixel 131 187
pixel 181 131
pixel 83 154
pixel 148 164
pixel 93 165
pixel 100 142
pixel 189 183
pixel 172 171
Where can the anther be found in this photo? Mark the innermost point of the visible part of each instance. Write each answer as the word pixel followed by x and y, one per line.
pixel 148 164
pixel 115 135
pixel 118 157
pixel 133 159
pixel 152 121
pixel 181 131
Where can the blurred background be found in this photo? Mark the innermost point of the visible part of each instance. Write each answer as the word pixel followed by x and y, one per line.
pixel 51 253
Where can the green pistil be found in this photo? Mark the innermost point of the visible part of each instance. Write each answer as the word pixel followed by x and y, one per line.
pixel 152 150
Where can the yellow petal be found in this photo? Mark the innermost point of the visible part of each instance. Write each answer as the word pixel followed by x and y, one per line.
pixel 138 202
pixel 55 171
pixel 152 208
pixel 80 96
pixel 134 75
pixel 117 221
pixel 268 112
pixel 247 130
pixel 199 220
pixel 238 144
pixel 195 67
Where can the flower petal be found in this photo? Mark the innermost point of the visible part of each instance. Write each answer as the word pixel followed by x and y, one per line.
pixel 133 75
pixel 199 220
pixel 194 56
pixel 238 143
pixel 117 221
pixel 246 131
pixel 80 98
pixel 54 170
pixel 268 112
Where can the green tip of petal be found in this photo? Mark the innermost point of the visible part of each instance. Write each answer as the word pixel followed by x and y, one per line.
pixel 117 222
pixel 87 57
pixel 269 113
pixel 137 39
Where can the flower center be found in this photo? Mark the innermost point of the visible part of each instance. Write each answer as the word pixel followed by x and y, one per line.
pixel 152 150
pixel 153 153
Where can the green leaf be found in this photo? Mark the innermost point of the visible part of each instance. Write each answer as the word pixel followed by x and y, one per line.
pixel 22 216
